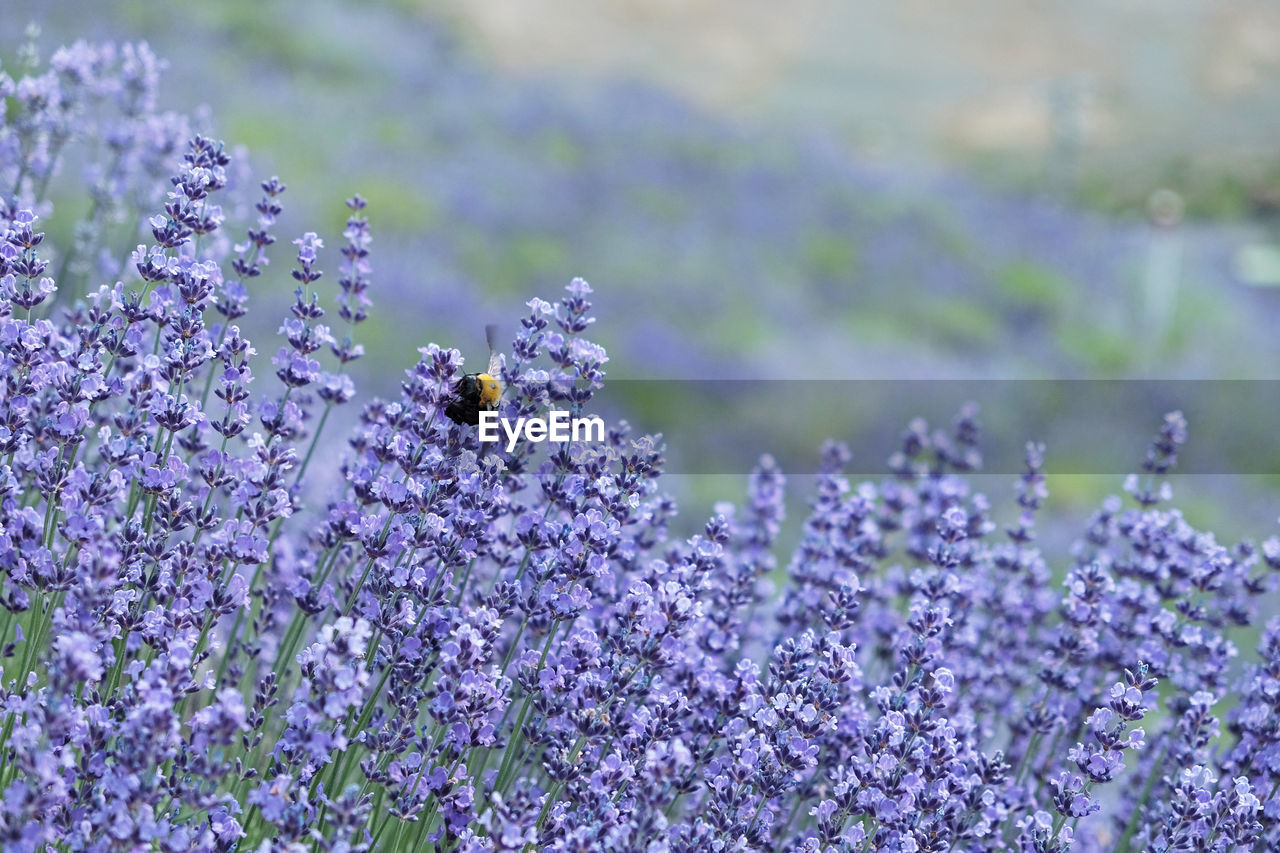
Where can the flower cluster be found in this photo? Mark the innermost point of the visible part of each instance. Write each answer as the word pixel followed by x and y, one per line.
pixel 459 648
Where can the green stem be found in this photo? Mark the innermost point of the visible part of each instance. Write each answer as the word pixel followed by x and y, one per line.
pixel 368 567
pixel 377 836
pixel 507 769
pixel 361 721
pixel 229 651
pixel 1123 845
pixel 306 460
pixel 559 786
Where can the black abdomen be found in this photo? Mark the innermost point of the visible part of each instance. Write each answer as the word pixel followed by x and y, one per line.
pixel 464 408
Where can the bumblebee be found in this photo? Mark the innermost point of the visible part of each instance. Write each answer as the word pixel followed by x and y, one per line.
pixel 478 392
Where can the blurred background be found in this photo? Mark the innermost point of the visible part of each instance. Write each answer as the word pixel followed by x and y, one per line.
pixel 850 190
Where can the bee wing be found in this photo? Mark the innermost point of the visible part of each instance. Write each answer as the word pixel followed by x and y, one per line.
pixel 495 360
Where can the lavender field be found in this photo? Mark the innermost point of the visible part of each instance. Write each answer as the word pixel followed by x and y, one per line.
pixel 262 588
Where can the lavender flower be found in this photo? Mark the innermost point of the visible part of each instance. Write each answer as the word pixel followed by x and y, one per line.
pixel 447 646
